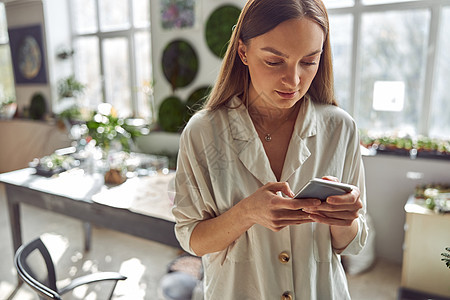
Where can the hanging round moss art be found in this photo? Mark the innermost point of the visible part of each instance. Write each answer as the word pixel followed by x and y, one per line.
pixel 180 64
pixel 196 100
pixel 38 107
pixel 219 28
pixel 172 114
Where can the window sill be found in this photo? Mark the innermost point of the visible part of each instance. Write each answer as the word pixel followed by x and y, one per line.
pixel 413 153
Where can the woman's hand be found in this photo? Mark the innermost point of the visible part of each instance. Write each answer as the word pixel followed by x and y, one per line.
pixel 340 212
pixel 337 210
pixel 267 208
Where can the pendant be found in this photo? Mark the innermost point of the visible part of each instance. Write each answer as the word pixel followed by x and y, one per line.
pixel 268 138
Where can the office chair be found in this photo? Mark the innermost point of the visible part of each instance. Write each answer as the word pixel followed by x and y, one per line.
pixel 46 289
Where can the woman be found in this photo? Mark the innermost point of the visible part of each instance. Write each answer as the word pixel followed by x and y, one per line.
pixel 270 125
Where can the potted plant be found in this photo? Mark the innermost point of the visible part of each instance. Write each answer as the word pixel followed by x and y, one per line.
pixel 70 87
pixel 8 107
pixel 68 111
pixel 111 134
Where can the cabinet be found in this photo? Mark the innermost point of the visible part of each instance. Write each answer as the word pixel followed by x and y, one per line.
pixel 427 234
pixel 23 140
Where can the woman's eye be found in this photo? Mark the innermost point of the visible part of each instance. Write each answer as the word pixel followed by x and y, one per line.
pixel 309 63
pixel 273 63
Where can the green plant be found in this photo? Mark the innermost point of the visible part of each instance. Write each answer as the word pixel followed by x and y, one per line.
pixel 7 101
pixel 38 107
pixel 196 100
pixel 105 128
pixel 70 87
pixel 446 257
pixel 180 63
pixel 172 114
pixel 71 114
pixel 8 107
pixel 219 28
pixel 420 143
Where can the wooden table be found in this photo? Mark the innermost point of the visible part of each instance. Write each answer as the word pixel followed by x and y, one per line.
pixel 140 206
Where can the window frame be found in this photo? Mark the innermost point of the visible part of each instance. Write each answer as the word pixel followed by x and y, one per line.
pixel 5 43
pixel 436 8
pixel 129 35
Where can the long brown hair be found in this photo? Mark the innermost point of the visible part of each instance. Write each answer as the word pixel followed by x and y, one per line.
pixel 256 18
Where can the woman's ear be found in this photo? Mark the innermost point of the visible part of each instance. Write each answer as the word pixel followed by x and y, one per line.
pixel 242 52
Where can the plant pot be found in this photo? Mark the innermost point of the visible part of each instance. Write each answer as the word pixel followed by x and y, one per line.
pixel 7 111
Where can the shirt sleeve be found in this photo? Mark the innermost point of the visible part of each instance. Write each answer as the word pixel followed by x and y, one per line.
pixel 194 200
pixel 354 169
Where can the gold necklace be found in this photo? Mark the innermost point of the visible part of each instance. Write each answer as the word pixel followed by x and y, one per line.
pixel 268 135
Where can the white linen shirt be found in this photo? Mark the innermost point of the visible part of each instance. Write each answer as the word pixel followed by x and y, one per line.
pixel 222 160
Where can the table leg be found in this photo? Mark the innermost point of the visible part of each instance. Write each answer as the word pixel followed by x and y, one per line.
pixel 14 221
pixel 87 228
pixel 16 231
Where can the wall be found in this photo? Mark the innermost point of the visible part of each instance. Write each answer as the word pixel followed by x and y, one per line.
pixel 23 140
pixel 209 64
pixel 20 14
pixel 390 180
pixel 57 33
pixel 53 17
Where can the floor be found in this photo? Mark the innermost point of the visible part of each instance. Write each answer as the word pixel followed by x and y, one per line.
pixel 143 262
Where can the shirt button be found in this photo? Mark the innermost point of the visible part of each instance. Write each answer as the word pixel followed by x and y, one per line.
pixel 284 257
pixel 286 296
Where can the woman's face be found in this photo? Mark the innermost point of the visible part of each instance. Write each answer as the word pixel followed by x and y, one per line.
pixel 283 62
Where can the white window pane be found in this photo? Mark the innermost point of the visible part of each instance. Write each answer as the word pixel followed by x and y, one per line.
pixel 84 15
pixel 114 15
pixel 338 3
pixel 341 30
pixel 393 49
pixel 440 108
pixel 87 70
pixel 141 13
pixel 3 25
pixel 143 74
pixel 117 75
pixel 7 78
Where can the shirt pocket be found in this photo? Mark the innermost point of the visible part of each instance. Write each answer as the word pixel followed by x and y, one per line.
pixel 321 242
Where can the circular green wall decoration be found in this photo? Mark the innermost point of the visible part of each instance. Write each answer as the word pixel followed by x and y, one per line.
pixel 195 101
pixel 172 114
pixel 180 63
pixel 219 27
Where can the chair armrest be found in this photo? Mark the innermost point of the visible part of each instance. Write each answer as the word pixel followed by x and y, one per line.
pixel 91 278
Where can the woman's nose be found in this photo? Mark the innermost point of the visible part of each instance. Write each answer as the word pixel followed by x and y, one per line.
pixel 292 76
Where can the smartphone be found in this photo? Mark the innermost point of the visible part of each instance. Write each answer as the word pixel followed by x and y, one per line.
pixel 322 189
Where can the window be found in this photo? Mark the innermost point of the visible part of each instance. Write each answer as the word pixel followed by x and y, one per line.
pixel 112 44
pixel 7 91
pixel 392 64
pixel 440 107
pixel 341 31
pixel 393 49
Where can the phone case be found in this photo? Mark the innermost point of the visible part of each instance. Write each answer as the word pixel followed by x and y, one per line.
pixel 322 189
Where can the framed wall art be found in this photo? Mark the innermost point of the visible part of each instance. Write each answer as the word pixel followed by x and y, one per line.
pixel 178 14
pixel 27 53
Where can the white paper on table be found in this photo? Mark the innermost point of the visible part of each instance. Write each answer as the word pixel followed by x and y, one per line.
pixel 147 195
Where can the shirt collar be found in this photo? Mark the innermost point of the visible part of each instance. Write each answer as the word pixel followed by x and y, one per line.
pixel 250 150
pixel 242 127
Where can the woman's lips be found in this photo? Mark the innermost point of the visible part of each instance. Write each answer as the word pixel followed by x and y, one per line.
pixel 286 95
